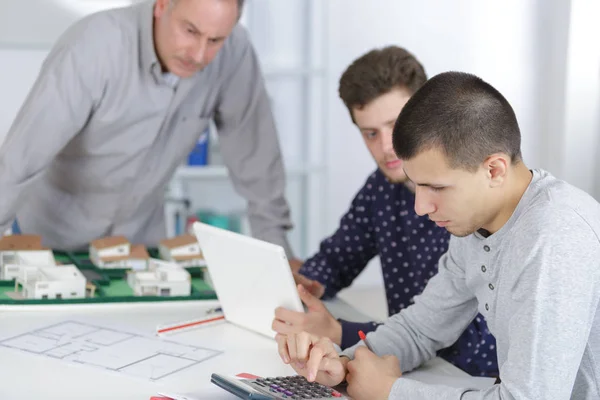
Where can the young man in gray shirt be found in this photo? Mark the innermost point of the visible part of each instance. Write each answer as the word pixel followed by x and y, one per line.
pixel 119 102
pixel 525 253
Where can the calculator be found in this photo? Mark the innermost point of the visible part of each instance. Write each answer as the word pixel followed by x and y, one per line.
pixel 283 387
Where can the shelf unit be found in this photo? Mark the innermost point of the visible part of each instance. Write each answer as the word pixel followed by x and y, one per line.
pixel 288 38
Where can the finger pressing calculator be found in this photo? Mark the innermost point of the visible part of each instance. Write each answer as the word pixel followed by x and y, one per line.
pixel 283 387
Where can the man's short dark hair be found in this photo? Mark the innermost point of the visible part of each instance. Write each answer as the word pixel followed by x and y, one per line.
pixel 378 72
pixel 463 116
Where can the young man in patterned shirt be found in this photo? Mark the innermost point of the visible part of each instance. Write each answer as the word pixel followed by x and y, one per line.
pixel 382 221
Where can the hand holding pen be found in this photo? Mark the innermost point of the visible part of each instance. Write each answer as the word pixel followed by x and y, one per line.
pixel 363 337
pixel 370 376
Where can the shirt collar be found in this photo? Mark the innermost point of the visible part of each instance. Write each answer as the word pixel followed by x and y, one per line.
pixel 148 58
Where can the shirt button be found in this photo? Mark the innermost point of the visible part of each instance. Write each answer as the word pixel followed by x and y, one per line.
pixel 483 269
pixel 486 248
pixel 491 286
pixel 487 307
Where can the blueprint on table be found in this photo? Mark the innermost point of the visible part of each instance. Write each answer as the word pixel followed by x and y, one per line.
pixel 110 349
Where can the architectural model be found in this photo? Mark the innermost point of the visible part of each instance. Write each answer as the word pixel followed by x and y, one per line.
pixel 184 250
pixel 161 279
pixel 117 252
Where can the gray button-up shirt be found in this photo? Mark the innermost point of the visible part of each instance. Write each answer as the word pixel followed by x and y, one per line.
pixel 101 134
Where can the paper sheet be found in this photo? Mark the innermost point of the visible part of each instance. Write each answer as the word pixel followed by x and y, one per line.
pixel 114 350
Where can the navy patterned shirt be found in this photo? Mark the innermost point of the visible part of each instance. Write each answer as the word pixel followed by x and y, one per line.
pixel 382 221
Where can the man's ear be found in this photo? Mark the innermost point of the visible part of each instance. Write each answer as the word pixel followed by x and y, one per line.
pixel 496 167
pixel 160 7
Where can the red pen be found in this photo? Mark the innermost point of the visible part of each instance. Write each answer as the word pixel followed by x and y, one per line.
pixel 363 337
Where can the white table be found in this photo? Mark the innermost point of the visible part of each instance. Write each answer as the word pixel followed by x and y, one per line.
pixel 26 376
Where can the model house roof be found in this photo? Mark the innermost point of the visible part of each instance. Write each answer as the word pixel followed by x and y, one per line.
pixel 179 241
pixel 31 274
pixel 139 251
pixel 110 241
pixel 21 242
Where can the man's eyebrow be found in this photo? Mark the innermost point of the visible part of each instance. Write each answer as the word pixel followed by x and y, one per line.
pixel 191 24
pixel 422 184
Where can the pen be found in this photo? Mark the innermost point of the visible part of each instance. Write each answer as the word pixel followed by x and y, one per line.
pixel 363 337
pixel 214 310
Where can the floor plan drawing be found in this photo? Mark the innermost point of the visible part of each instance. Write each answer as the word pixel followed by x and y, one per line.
pixel 110 349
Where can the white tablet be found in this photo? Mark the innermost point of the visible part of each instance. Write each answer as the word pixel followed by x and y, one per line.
pixel 250 277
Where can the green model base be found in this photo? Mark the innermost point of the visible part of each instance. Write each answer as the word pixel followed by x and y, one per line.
pixel 111 285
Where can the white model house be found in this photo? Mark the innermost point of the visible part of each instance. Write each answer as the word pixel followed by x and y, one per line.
pixel 18 250
pixel 59 282
pixel 138 258
pixel 117 252
pixel 184 250
pixel 161 279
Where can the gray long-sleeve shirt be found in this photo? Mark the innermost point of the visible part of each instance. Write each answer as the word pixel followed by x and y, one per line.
pixel 102 132
pixel 536 281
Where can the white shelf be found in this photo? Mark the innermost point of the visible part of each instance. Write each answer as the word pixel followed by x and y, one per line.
pixel 220 172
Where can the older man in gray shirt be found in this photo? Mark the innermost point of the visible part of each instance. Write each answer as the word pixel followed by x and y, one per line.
pixel 120 101
pixel 525 253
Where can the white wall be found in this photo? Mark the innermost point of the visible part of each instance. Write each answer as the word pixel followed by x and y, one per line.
pixel 579 144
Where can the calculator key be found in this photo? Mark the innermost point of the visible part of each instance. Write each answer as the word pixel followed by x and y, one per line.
pixel 335 393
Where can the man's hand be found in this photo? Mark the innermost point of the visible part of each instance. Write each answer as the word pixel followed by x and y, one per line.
pixel 312 357
pixel 317 321
pixel 371 377
pixel 296 264
pixel 313 287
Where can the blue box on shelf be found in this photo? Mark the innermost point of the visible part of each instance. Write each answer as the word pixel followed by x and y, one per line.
pixel 199 154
